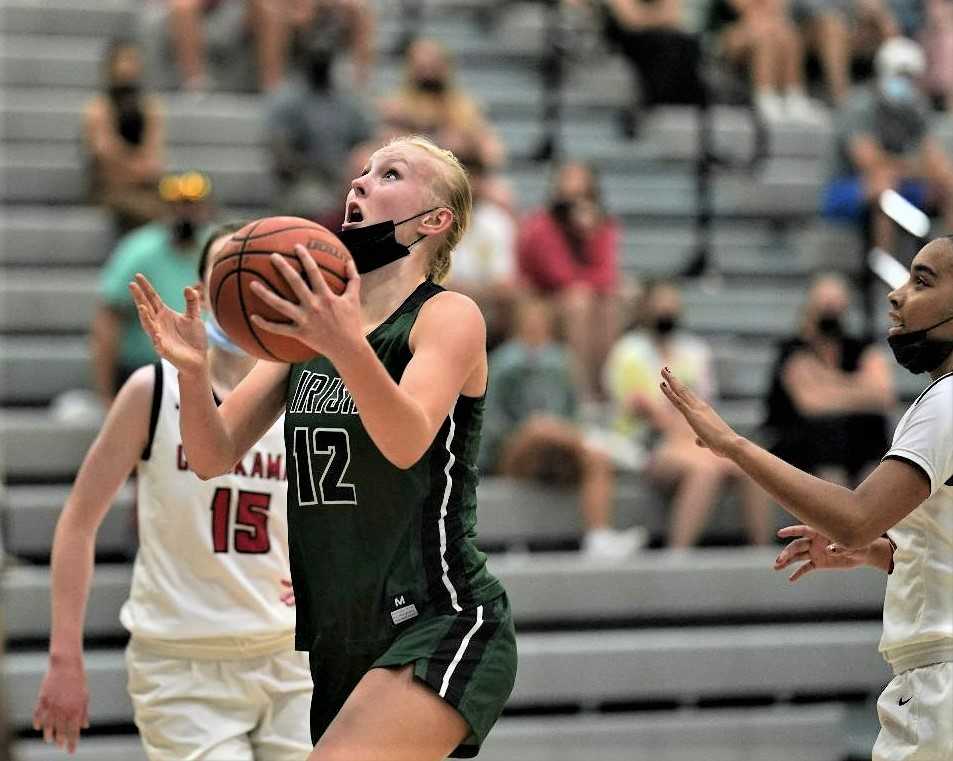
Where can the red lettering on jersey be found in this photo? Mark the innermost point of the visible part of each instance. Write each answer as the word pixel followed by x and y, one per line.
pixel 274 467
pixel 181 462
pixel 257 470
pixel 240 469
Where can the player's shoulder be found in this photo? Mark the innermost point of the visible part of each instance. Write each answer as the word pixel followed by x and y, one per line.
pixel 940 391
pixel 137 392
pixel 449 314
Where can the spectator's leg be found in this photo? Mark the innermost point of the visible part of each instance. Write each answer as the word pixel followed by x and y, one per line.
pixel 597 490
pixel 576 308
pixel 269 24
pixel 188 39
pixel 756 506
pixel 699 477
pixel 832 39
pixel 791 59
pixel 937 168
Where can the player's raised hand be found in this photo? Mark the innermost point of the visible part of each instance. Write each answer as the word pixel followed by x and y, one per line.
pixel 62 707
pixel 814 552
pixel 179 338
pixel 710 430
pixel 328 323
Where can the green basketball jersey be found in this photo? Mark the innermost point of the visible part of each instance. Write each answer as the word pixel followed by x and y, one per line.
pixel 372 546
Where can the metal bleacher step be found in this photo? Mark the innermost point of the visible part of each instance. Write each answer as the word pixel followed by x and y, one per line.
pixel 584 668
pixel 564 588
pixel 751 734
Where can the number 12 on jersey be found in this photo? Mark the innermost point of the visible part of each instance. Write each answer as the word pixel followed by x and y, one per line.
pixel 330 487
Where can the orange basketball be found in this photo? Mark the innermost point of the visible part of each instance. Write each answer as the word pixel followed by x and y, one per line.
pixel 246 258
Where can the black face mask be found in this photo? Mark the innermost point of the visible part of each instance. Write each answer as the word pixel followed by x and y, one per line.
pixel 917 353
pixel 318 70
pixel 130 120
pixel 121 93
pixel 829 325
pixel 431 85
pixel 183 231
pixel 665 324
pixel 376 246
pixel 561 210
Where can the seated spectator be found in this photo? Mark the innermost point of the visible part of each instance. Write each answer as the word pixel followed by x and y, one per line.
pixel 193 34
pixel 430 100
pixel 665 59
pixel 826 27
pixel 758 37
pixel 884 142
pixel 166 252
pixel 937 39
pixel 568 253
pixel 830 394
pixel 675 460
pixel 484 261
pixel 529 429
pixel 310 126
pixel 335 25
pixel 124 141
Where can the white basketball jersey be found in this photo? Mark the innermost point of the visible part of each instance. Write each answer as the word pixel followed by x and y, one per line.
pixel 918 610
pixel 211 553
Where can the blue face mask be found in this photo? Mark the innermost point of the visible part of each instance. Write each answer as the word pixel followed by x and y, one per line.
pixel 898 89
pixel 217 337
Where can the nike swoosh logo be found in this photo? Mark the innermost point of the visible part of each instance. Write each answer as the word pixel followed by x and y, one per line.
pixel 903 702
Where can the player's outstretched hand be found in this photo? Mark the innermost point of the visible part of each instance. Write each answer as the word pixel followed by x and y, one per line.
pixel 179 338
pixel 814 552
pixel 62 707
pixel 710 430
pixel 328 323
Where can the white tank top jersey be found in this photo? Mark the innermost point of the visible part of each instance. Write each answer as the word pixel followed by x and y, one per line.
pixel 918 609
pixel 211 553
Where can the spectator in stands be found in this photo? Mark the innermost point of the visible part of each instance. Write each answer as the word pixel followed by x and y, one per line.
pixel 830 393
pixel 937 39
pixel 885 142
pixel 430 100
pixel 665 59
pixel 335 25
pixel 529 429
pixel 568 252
pixel 197 30
pixel 124 141
pixel 166 252
pixel 697 476
pixel 484 261
pixel 310 126
pixel 759 37
pixel 826 26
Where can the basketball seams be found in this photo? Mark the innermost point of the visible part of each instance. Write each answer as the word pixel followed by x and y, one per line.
pixel 241 295
pixel 315 227
pixel 293 257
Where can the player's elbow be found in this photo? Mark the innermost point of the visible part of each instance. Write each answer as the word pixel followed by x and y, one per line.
pixel 855 534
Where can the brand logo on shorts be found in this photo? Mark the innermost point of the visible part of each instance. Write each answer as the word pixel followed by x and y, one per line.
pixel 903 702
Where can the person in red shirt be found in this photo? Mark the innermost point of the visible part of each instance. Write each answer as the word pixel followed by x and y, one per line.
pixel 568 252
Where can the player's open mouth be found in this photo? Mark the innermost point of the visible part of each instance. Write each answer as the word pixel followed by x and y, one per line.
pixel 896 324
pixel 353 215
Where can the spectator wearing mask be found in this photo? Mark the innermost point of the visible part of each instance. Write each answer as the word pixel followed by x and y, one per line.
pixel 568 253
pixel 530 432
pixel 484 261
pixel 830 393
pixel 885 142
pixel 166 252
pixel 124 140
pixel 335 25
pixel 430 101
pixel 310 126
pixel 674 459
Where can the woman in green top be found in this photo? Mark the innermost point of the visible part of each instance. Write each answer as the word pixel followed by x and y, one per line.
pixel 411 640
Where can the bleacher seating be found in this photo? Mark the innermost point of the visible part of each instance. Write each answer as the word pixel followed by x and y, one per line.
pixel 669 657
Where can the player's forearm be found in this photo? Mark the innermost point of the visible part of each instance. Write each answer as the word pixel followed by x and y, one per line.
pixel 394 421
pixel 72 572
pixel 832 509
pixel 209 446
pixel 880 555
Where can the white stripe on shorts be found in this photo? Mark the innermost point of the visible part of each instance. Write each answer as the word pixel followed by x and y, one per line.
pixel 463 646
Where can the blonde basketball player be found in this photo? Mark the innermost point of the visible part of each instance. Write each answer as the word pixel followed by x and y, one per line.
pixel 411 638
pixel 213 674
pixel 909 495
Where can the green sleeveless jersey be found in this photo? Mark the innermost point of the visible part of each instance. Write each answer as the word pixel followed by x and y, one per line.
pixel 373 547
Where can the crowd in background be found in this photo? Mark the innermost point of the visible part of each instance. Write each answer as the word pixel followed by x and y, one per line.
pixel 575 345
